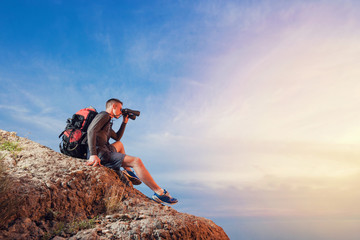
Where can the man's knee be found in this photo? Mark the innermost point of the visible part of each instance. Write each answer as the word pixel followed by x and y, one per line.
pixel 137 161
pixel 130 161
pixel 118 145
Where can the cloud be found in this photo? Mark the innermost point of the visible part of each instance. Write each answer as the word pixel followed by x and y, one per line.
pixel 278 197
pixel 279 100
pixel 33 111
pixel 18 109
pixel 296 79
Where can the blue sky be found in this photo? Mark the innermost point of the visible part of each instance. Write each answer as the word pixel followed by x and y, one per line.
pixel 249 109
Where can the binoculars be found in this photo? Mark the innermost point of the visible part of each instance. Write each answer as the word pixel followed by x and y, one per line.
pixel 131 113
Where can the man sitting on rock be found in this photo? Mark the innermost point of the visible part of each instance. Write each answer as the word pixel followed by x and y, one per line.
pixel 113 156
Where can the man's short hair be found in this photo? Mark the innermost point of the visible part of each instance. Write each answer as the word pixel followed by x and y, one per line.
pixel 112 101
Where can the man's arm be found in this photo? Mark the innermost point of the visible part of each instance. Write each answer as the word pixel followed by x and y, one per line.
pixel 95 127
pixel 118 135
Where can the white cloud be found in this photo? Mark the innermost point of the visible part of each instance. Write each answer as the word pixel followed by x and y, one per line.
pixel 276 197
pixel 283 103
pixel 28 117
pixel 18 109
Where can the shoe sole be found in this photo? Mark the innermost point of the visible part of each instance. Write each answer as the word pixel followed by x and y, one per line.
pixel 156 199
pixel 134 181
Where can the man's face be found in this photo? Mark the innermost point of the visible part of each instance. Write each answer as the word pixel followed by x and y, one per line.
pixel 117 110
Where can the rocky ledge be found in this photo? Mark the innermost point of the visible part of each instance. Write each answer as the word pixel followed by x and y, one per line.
pixel 47 195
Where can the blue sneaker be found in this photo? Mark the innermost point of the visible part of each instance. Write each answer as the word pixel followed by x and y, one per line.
pixel 165 198
pixel 132 177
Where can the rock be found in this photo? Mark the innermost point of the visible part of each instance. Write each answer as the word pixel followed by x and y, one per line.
pixel 86 235
pixel 58 238
pixel 59 197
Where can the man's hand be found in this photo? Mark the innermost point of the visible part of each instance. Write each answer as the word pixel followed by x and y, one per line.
pixel 126 118
pixel 94 160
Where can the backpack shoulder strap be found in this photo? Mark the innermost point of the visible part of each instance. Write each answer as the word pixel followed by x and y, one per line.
pixel 61 134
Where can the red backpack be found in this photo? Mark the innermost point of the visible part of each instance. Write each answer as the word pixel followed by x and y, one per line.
pixel 74 140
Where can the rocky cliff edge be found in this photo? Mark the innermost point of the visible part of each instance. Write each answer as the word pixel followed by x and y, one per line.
pixel 47 195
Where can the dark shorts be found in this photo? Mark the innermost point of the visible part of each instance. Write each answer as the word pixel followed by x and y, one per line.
pixel 110 157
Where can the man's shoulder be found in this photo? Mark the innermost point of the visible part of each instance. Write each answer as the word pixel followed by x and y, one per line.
pixel 102 115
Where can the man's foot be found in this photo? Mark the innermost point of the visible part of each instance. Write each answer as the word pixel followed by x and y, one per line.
pixel 132 177
pixel 164 198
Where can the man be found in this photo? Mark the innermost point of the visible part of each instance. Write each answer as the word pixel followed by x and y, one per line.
pixel 101 152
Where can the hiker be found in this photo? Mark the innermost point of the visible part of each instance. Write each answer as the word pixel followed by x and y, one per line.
pixel 101 152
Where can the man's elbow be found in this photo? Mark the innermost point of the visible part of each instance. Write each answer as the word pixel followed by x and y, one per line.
pixel 89 132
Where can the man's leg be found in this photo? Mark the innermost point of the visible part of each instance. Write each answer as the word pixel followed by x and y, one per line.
pixel 161 195
pixel 142 172
pixel 128 172
pixel 120 148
